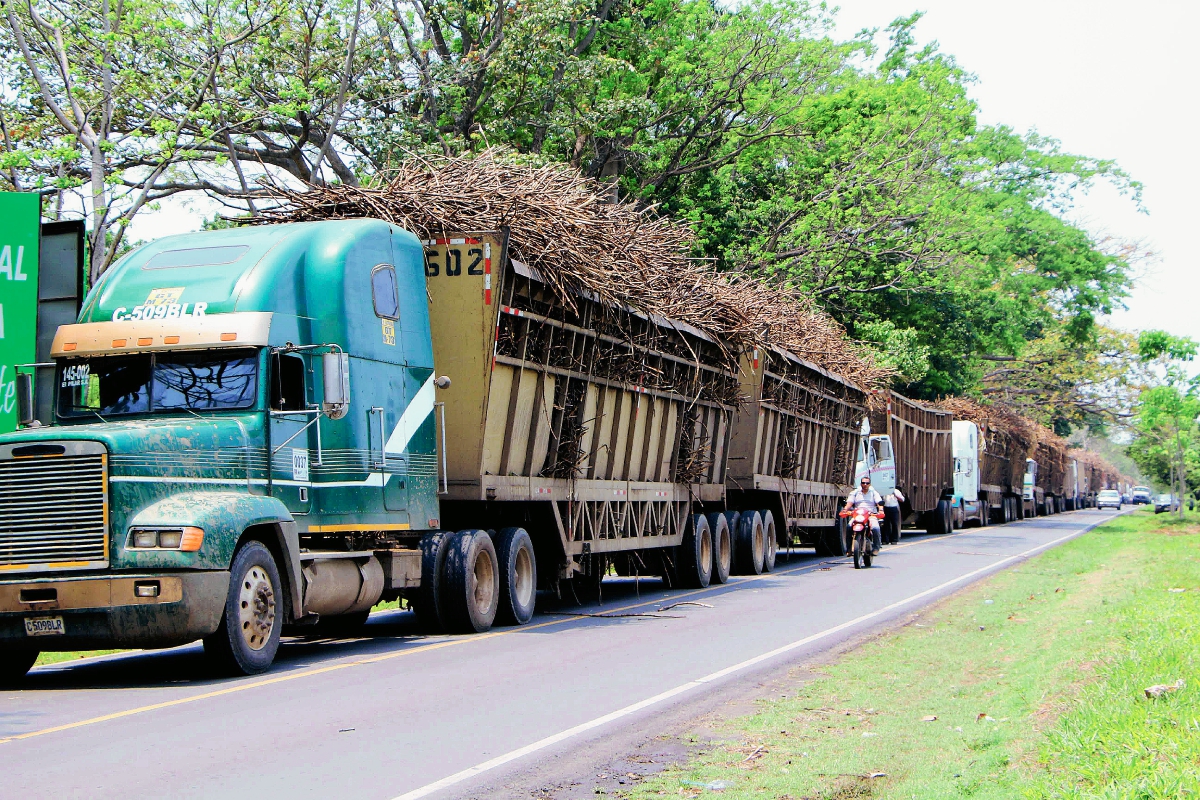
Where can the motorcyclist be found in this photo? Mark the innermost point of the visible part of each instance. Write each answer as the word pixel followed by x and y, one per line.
pixel 865 495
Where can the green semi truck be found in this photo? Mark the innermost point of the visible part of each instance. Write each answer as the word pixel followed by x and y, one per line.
pixel 250 438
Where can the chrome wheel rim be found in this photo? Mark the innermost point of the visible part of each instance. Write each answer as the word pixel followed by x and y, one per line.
pixel 523 582
pixel 256 608
pixel 483 593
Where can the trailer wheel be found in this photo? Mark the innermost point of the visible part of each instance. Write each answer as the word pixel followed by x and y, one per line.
pixel 722 559
pixel 748 544
pixel 770 543
pixel 427 603
pixel 247 639
pixel 586 585
pixel 831 540
pixel 940 520
pixel 696 554
pixel 14 666
pixel 518 575
pixel 470 590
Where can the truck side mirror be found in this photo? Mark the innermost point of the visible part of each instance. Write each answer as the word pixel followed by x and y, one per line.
pixel 335 369
pixel 25 408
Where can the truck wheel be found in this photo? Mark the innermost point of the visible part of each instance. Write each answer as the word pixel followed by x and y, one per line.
pixel 427 604
pixel 722 547
pixel 696 554
pixel 247 639
pixel 940 520
pixel 470 590
pixel 770 543
pixel 14 666
pixel 518 576
pixel 748 544
pixel 837 538
pixel 586 585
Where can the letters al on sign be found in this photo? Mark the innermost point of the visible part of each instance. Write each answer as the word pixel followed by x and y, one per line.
pixel 20 220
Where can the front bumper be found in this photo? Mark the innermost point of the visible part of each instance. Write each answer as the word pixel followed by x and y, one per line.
pixel 105 612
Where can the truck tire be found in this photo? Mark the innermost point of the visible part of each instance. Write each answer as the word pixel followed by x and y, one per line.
pixel 748 545
pixel 722 547
pixel 427 604
pixel 14 665
pixel 587 585
pixel 518 576
pixel 470 590
pixel 696 554
pixel 770 542
pixel 940 520
pixel 831 541
pixel 247 639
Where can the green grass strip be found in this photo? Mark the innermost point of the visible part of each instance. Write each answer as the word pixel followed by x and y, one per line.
pixel 1028 684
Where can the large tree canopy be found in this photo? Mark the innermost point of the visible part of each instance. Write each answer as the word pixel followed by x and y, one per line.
pixel 858 175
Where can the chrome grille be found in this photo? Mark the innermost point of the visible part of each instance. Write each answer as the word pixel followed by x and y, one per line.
pixel 52 509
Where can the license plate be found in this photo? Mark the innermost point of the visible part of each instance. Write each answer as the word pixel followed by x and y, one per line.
pixel 44 626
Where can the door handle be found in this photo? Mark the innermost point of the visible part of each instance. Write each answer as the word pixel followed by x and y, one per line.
pixel 382 459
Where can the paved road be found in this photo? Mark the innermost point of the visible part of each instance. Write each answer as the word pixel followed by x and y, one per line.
pixel 402 715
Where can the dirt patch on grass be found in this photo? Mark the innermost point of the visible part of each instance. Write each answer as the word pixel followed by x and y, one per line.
pixel 847 787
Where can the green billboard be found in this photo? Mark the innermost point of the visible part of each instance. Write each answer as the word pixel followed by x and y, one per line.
pixel 20 217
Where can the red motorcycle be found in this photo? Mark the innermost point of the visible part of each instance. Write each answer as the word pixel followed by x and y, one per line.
pixel 860 528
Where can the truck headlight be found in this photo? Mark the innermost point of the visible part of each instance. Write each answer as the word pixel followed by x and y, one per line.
pixel 187 540
pixel 143 539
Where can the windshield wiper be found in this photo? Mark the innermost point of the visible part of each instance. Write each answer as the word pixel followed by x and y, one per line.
pixel 91 410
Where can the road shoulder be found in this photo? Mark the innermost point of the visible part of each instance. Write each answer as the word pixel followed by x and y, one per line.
pixel 991 692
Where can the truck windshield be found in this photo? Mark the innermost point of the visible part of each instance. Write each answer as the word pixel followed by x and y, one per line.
pixel 150 382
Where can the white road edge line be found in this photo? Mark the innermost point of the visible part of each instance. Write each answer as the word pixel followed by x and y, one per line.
pixel 569 733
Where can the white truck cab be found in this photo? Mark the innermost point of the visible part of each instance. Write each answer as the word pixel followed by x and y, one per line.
pixel 877 459
pixel 967 503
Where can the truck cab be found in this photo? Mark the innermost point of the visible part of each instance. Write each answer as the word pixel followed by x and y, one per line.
pixel 1029 489
pixel 243 437
pixel 877 460
pixel 967 502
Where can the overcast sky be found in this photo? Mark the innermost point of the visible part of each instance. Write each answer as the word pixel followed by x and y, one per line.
pixel 1108 79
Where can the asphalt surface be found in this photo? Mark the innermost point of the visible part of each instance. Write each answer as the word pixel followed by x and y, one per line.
pixel 398 714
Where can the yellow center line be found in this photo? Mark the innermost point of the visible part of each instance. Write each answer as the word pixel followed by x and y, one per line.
pixel 242 687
